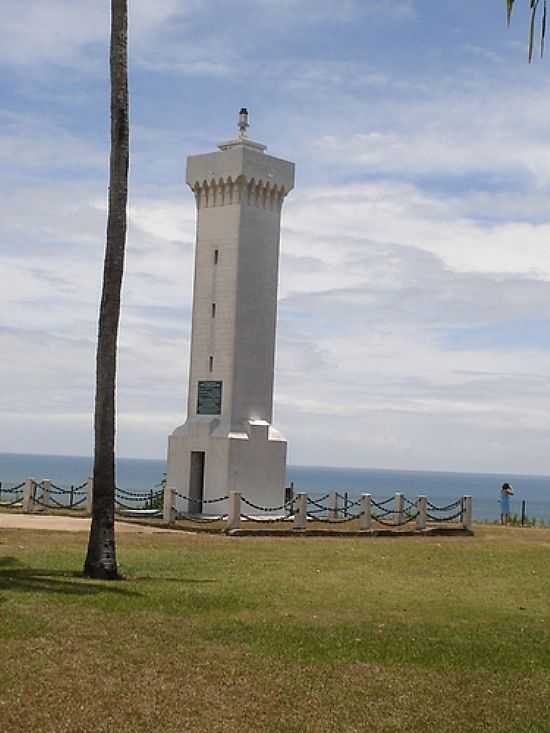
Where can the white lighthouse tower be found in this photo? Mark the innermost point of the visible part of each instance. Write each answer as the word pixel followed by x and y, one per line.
pixel 228 442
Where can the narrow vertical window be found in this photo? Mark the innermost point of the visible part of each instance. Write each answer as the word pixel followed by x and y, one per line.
pixel 211 363
pixel 213 310
pixel 216 256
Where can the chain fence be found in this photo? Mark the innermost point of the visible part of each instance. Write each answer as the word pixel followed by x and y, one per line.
pixel 337 520
pixel 451 518
pixel 266 508
pixel 15 494
pixel 407 519
pixel 200 501
pixel 394 512
pixel 49 495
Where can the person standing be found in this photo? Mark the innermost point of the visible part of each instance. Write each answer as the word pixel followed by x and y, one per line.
pixel 506 492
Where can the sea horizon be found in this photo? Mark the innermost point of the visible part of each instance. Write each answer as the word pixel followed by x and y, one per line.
pixel 298 465
pixel 145 473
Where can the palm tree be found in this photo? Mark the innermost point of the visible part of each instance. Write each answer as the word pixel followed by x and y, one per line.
pixel 101 556
pixel 536 6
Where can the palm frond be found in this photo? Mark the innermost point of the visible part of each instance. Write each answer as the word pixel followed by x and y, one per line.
pixel 543 29
pixel 509 8
pixel 535 6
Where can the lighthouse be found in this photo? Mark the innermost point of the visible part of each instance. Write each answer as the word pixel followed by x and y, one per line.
pixel 228 442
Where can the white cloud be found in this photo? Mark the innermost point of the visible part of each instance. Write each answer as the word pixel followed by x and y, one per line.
pixel 59 31
pixel 372 295
pixel 64 32
pixel 38 143
pixel 390 212
pixel 373 120
pixel 415 269
pixel 453 150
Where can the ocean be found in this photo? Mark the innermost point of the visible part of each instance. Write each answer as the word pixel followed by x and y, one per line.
pixel 439 486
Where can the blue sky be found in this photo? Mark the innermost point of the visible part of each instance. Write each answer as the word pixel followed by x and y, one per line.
pixel 415 269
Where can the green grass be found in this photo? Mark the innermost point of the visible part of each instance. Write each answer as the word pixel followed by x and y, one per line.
pixel 209 633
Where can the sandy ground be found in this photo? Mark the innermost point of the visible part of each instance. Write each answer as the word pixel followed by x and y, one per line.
pixel 68 524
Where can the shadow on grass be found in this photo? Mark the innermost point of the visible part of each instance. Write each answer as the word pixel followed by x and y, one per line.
pixel 15 576
pixel 163 579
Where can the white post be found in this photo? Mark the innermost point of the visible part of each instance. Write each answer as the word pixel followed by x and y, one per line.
pixel 365 520
pixel 27 495
pixel 168 508
pixel 399 507
pixel 333 505
pixel 45 483
pixel 422 509
pixel 89 495
pixel 467 517
pixel 234 514
pixel 300 517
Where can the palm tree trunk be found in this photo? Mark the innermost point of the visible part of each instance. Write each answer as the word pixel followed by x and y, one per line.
pixel 101 555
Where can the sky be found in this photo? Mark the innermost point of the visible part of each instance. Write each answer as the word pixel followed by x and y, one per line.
pixel 414 298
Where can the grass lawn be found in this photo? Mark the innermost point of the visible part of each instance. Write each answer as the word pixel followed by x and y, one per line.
pixel 210 633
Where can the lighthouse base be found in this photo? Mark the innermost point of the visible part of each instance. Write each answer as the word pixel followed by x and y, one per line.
pixel 207 460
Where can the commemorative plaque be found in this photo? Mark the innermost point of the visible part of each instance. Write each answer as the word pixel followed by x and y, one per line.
pixel 209 399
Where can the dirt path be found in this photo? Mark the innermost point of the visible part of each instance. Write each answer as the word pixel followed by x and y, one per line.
pixel 68 524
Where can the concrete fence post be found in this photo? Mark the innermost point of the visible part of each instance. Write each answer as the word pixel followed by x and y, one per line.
pixel 168 512
pixel 28 495
pixel 234 513
pixel 300 517
pixel 333 505
pixel 399 508
pixel 467 517
pixel 365 520
pixel 46 486
pixel 89 496
pixel 422 509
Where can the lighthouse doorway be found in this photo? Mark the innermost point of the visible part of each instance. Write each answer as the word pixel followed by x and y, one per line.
pixel 196 482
